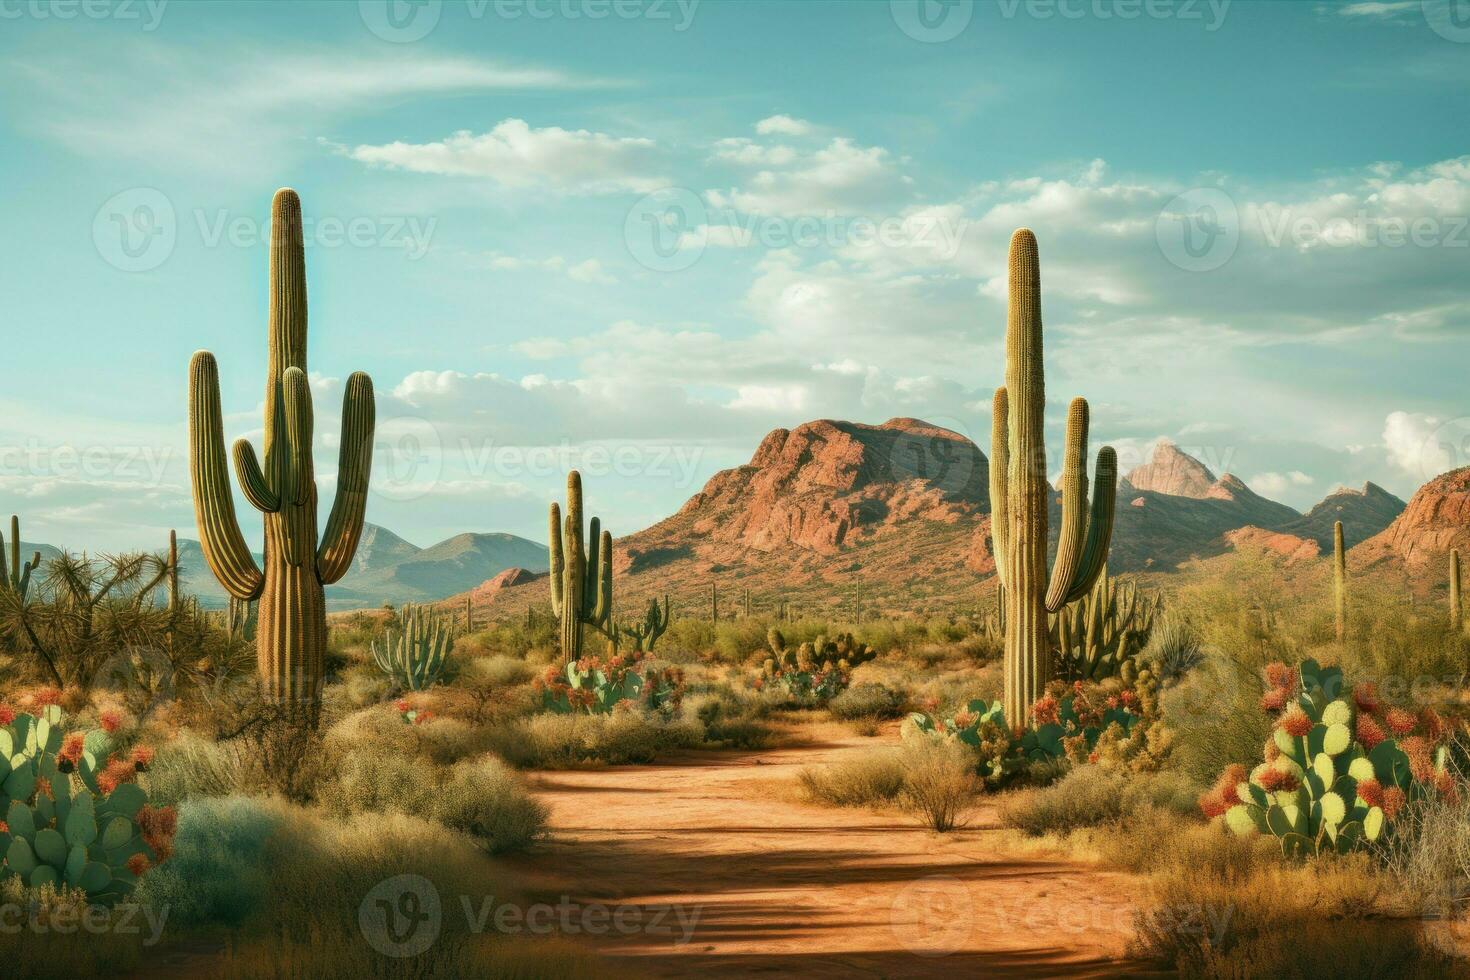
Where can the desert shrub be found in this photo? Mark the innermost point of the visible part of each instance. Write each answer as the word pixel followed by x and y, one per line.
pixel 687 639
pixel 496 671
pixel 218 873
pixel 478 797
pixel 732 721
pixel 1215 716
pixel 447 741
pixel 1090 796
pixel 1173 647
pixel 37 951
pixel 566 741
pixel 188 766
pixel 867 701
pixel 736 640
pixel 362 686
pixel 871 779
pixel 940 784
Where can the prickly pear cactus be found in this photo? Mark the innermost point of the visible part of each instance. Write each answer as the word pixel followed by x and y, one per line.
pixel 594 685
pixel 74 817
pixel 814 672
pixel 1333 777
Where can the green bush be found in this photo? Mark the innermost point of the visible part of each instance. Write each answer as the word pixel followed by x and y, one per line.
pixel 567 741
pixel 218 874
pixel 867 701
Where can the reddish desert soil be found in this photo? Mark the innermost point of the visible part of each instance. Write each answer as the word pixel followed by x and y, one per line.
pixel 783 887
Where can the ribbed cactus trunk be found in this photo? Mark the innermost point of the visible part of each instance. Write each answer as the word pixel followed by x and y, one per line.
pixel 1339 581
pixel 581 582
pixel 173 571
pixel 714 603
pixel 1457 613
pixel 1020 495
pixel 291 626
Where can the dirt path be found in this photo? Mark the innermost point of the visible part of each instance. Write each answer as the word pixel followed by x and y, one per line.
pixel 703 866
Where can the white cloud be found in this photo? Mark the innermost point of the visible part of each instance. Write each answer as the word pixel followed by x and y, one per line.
pixel 1414 444
pixel 1378 8
pixel 1276 484
pixel 841 177
pixel 784 125
pixel 591 271
pixel 588 270
pixel 515 154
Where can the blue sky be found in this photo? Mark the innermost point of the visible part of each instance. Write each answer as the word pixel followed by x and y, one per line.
pixel 635 237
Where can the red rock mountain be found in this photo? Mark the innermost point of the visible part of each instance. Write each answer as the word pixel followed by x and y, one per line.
pixel 1436 519
pixel 1363 513
pixel 1173 472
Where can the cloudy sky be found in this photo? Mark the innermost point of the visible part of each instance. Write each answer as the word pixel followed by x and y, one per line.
pixel 635 237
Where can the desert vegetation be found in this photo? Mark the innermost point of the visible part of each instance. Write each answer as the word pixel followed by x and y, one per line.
pixel 1260 756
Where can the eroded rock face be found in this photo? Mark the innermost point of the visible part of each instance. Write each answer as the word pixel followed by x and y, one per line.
pixel 505 580
pixel 816 485
pixel 1287 547
pixel 1363 513
pixel 1172 471
pixel 1436 520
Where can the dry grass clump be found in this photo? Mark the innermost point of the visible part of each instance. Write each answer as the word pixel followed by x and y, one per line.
pixel 1092 796
pixel 934 780
pixel 874 778
pixel 568 741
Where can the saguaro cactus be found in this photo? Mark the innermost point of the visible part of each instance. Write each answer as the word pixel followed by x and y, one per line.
pixel 655 621
pixel 1339 581
pixel 714 602
pixel 1020 494
pixel 581 584
pixel 173 570
pixel 291 634
pixel 1456 609
pixel 15 577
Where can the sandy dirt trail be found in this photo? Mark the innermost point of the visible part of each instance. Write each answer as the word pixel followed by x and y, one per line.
pixel 784 887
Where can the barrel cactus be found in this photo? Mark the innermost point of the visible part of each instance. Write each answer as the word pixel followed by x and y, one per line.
pixel 291 636
pixel 1337 769
pixel 415 651
pixel 1021 493
pixel 74 816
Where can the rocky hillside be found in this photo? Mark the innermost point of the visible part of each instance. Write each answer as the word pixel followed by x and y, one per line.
pixel 1436 519
pixel 1363 513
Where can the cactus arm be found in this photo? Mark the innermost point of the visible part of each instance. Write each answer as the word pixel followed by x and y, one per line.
pixel 300 421
pixel 1074 508
pixel 354 468
pixel 592 598
pixel 573 583
pixel 1000 461
pixel 1099 525
pixel 252 480
pixel 558 563
pixel 214 507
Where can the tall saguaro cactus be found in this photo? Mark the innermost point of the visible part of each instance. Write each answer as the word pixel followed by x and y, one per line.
pixel 1020 494
pixel 15 577
pixel 1457 610
pixel 173 570
pixel 581 584
pixel 291 633
pixel 1339 581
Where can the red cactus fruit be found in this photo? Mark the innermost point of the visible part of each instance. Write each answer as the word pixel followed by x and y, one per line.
pixel 7 714
pixel 71 749
pixel 1273 751
pixel 1420 763
pixel 137 864
pixel 1273 700
pixel 1045 710
pixel 402 705
pixel 1393 801
pixel 1280 676
pixel 115 773
pixel 157 826
pixel 45 697
pixel 1365 696
pixel 1212 804
pixel 1296 722
pixel 110 720
pixel 142 758
pixel 1399 721
pixel 1368 732
pixel 1371 790
pixel 1271 780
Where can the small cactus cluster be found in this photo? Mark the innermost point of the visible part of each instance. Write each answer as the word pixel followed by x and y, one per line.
pixel 645 633
pixel 74 816
pixel 1337 770
pixel 1102 631
pixel 414 652
pixel 594 685
pixel 15 577
pixel 813 672
pixel 581 581
pixel 1073 722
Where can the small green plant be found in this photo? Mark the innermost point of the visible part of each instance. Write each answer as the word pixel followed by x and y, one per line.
pixel 1337 770
pixel 414 652
pixel 595 686
pixel 75 815
pixel 814 672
